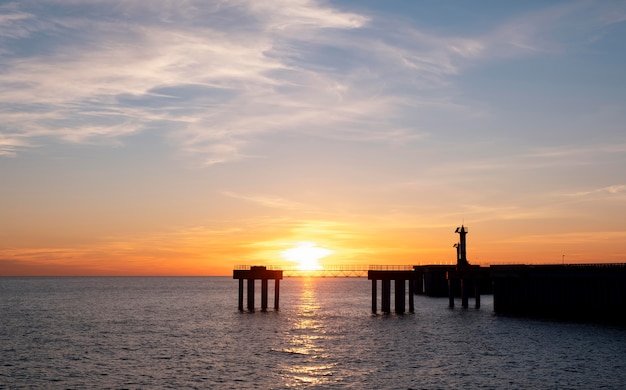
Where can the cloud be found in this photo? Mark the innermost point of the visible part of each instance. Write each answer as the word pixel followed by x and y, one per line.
pixel 254 69
pixel 9 143
pixel 578 151
pixel 572 238
pixel 304 14
pixel 217 76
pixel 108 82
pixel 267 201
pixel 613 190
pixel 553 29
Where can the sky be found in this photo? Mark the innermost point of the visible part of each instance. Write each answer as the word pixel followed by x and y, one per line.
pixel 188 137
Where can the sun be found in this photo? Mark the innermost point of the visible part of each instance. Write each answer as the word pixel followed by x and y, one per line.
pixel 306 254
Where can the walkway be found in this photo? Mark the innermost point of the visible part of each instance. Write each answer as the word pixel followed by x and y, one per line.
pixel 333 271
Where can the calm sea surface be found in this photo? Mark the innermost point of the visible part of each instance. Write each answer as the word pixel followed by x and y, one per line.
pixel 187 333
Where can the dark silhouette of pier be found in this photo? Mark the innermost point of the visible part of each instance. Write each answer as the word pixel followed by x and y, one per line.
pixel 590 292
pixel 400 279
pixel 331 271
pixel 251 275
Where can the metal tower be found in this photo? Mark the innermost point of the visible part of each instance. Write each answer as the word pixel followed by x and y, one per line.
pixel 461 253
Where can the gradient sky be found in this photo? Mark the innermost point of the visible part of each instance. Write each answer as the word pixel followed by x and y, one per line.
pixel 186 137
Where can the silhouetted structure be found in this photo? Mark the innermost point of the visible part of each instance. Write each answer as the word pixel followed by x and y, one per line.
pixel 461 247
pixel 400 278
pixel 589 292
pixel 467 277
pixel 468 280
pixel 252 274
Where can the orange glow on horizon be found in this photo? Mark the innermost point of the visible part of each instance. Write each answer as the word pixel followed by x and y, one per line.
pixel 215 252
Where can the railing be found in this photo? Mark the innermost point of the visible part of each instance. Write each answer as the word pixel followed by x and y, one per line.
pixel 354 267
pixel 359 271
pixel 581 265
pixel 246 267
pixel 390 267
pixel 344 271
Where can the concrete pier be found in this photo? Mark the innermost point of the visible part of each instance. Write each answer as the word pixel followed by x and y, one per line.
pixel 253 274
pixel 467 277
pixel 400 279
pixel 468 280
pixel 589 292
pixel 432 280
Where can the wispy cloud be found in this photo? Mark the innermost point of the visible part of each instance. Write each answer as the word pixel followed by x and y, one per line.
pixel 533 158
pixel 267 201
pixel 553 29
pixel 571 238
pixel 578 151
pixel 217 75
pixel 214 84
pixel 618 189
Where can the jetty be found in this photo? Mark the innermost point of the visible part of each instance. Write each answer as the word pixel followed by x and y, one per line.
pixel 252 274
pixel 589 292
pixel 595 292
pixel 400 279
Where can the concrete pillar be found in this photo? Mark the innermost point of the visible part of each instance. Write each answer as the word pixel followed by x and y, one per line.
pixel 251 294
pixel 477 292
pixel 263 294
pixel 411 293
pixel 240 306
pixel 276 293
pixel 386 296
pixel 464 292
pixel 374 293
pixel 400 293
pixel 450 292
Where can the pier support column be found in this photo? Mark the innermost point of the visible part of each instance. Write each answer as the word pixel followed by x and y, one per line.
pixel 240 305
pixel 450 292
pixel 386 296
pixel 400 293
pixel 411 293
pixel 250 294
pixel 374 293
pixel 477 292
pixel 464 291
pixel 240 300
pixel 263 294
pixel 276 293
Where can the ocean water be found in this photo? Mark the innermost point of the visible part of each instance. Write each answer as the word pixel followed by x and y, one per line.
pixel 141 333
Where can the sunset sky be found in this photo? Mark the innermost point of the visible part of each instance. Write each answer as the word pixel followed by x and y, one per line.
pixel 187 137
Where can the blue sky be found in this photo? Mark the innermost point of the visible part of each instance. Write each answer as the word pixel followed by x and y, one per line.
pixel 247 125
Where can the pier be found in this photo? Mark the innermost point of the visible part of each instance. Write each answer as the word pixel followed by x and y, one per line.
pixel 467 277
pixel 251 275
pixel 590 292
pixel 468 281
pixel 593 292
pixel 400 279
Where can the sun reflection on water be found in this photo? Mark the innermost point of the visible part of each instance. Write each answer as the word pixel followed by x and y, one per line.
pixel 307 332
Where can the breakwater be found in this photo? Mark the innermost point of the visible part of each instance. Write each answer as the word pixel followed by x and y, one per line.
pixel 589 292
pixel 594 292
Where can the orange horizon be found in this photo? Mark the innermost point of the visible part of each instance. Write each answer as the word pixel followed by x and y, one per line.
pixel 37 269
pixel 213 252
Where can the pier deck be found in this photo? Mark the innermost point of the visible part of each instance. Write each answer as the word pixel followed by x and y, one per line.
pixel 252 274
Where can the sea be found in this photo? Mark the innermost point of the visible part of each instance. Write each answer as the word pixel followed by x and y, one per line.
pixel 187 333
